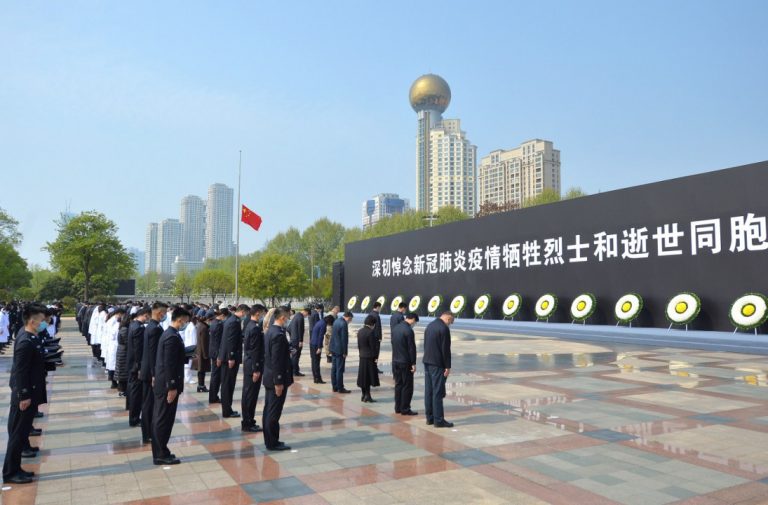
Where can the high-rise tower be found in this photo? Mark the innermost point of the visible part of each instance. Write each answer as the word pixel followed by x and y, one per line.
pixel 218 226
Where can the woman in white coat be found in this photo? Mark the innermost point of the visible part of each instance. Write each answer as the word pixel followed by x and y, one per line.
pixel 111 328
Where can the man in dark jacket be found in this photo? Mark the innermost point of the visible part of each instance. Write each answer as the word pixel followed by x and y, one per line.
pixel 133 365
pixel 316 345
pixel 397 316
pixel 230 357
pixel 339 351
pixel 278 377
pixel 27 384
pixel 437 367
pixel 152 334
pixel 214 344
pixel 404 363
pixel 377 331
pixel 169 384
pixel 296 332
pixel 253 366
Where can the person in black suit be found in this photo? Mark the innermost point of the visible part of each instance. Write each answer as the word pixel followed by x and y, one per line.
pixel 230 357
pixel 253 366
pixel 397 316
pixel 367 375
pixel 437 367
pixel 152 333
pixel 214 344
pixel 375 312
pixel 404 363
pixel 296 332
pixel 133 364
pixel 278 377
pixel 169 384
pixel 27 384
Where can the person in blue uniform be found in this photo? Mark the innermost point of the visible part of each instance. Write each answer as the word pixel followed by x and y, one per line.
pixel 253 367
pixel 437 367
pixel 230 357
pixel 278 377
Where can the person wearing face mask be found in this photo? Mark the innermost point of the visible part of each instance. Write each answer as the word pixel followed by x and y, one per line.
pixel 278 377
pixel 437 367
pixel 152 334
pixel 27 382
pixel 169 384
pixel 215 332
pixel 253 366
pixel 230 357
pixel 135 348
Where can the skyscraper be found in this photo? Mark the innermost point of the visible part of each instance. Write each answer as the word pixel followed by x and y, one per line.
pixel 445 158
pixel 516 175
pixel 138 258
pixel 218 229
pixel 192 220
pixel 168 245
pixel 150 249
pixel 382 205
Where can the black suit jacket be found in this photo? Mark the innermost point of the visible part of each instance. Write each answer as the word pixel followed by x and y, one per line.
pixel 367 343
pixel 254 348
pixel 135 347
pixel 403 345
pixel 232 340
pixel 437 344
pixel 278 368
pixel 214 338
pixel 296 330
pixel 27 379
pixel 169 366
pixel 377 329
pixel 396 318
pixel 152 334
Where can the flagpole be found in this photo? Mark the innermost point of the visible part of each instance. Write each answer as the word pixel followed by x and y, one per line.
pixel 239 218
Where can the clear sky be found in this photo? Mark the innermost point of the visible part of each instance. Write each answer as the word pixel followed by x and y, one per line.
pixel 126 107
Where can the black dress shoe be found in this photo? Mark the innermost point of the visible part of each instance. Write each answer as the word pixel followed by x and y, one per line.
pixel 279 448
pixel 397 412
pixel 166 461
pixel 146 441
pixel 444 424
pixel 133 424
pixel 430 422
pixel 35 432
pixel 344 391
pixel 27 453
pixel 39 415
pixel 202 389
pixel 299 374
pixel 369 399
pixel 319 381
pixel 215 400
pixel 233 414
pixel 251 429
pixel 33 448
pixel 409 413
pixel 17 479
pixel 26 473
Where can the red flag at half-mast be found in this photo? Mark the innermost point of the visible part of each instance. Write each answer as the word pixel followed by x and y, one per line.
pixel 250 218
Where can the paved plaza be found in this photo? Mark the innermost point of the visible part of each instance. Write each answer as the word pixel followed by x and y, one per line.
pixel 537 420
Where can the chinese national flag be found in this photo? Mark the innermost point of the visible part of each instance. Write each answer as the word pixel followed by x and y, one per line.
pixel 250 218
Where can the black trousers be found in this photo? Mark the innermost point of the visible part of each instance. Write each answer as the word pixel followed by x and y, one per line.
pixel 315 362
pixel 213 387
pixel 147 408
pixel 228 382
pixel 403 387
pixel 250 396
pixel 270 420
pixel 19 424
pixel 164 414
pixel 295 357
pixel 135 398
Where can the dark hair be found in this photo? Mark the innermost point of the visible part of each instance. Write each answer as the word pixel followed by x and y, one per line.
pixel 447 313
pixel 402 305
pixel 243 307
pixel 412 315
pixel 329 319
pixel 370 320
pixel 348 314
pixel 142 311
pixel 159 305
pixel 31 310
pixel 376 305
pixel 280 312
pixel 223 312
pixel 180 312
pixel 257 308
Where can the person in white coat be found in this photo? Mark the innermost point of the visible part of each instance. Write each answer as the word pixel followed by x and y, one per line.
pixel 5 327
pixel 111 328
pixel 94 330
pixel 190 338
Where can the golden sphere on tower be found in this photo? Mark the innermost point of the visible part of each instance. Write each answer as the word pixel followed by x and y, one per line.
pixel 430 92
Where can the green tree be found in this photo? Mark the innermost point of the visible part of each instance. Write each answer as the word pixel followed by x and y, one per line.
pixel 272 277
pixel 88 252
pixel 546 196
pixel 14 273
pixel 40 276
pixel 147 284
pixel 320 242
pixel 574 192
pixel 450 214
pixel 56 288
pixel 9 229
pixel 183 284
pixel 213 282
